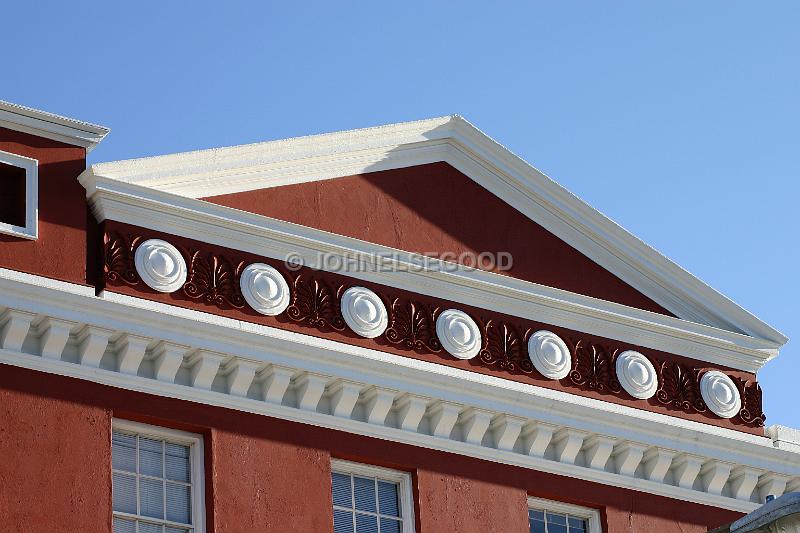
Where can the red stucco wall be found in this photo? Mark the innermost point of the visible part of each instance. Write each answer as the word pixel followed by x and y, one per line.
pixel 60 251
pixel 261 484
pixel 55 473
pixel 435 209
pixel 268 475
pixel 449 502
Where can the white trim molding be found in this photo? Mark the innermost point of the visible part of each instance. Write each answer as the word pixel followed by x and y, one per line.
pixel 453 140
pixel 31 167
pixel 592 516
pixel 50 126
pixel 403 480
pixel 159 349
pixel 111 199
pixel 196 462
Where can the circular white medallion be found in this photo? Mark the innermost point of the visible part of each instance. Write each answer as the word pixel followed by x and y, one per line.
pixel 264 289
pixel 637 375
pixel 160 265
pixel 364 312
pixel 720 394
pixel 549 354
pixel 458 333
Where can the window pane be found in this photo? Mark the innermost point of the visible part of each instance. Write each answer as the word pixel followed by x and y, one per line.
pixel 577 525
pixel 388 503
pixel 366 523
pixel 146 527
pixel 179 503
pixel 124 493
pixel 554 525
pixel 175 530
pixel 177 462
pixel 151 498
pixel 124 526
pixel 151 457
pixel 390 526
pixel 123 452
pixel 341 490
pixel 537 526
pixel 364 490
pixel 535 514
pixel 342 521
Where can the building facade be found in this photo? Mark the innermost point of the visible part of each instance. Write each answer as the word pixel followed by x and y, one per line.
pixel 398 329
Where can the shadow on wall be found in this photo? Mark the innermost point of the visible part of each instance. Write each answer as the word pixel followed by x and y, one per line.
pixel 433 209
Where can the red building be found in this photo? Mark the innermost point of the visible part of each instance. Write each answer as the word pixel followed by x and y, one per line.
pixel 403 328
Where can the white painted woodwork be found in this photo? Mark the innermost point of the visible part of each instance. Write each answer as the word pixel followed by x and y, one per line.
pixel 131 350
pixel 54 335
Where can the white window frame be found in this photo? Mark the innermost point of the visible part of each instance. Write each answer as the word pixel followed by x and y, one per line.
pixel 403 479
pixel 31 167
pixel 592 516
pixel 196 460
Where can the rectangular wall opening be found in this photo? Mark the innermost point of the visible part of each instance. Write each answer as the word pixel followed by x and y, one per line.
pixel 12 195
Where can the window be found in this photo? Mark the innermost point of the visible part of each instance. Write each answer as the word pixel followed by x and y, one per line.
pixel 157 479
pixel 545 516
pixel 368 499
pixel 18 195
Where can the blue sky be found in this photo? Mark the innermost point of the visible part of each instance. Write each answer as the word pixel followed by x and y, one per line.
pixel 680 120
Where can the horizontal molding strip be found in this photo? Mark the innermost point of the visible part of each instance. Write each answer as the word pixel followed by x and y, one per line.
pixel 149 347
pixel 51 126
pixel 222 226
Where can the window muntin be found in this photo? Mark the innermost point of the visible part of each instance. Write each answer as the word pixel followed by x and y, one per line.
pixel 550 522
pixel 157 480
pixel 545 516
pixel 18 195
pixel 369 499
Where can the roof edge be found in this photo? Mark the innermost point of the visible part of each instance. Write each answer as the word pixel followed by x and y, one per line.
pixel 51 126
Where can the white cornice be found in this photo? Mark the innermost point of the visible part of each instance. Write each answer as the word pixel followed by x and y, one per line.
pixel 195 219
pixel 50 126
pixel 453 140
pixel 39 315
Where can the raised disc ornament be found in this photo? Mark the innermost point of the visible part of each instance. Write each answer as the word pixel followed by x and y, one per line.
pixel 458 333
pixel 364 312
pixel 264 289
pixel 160 265
pixel 637 375
pixel 549 354
pixel 720 394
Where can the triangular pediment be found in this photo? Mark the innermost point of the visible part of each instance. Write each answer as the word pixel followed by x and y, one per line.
pixel 458 189
pixel 437 211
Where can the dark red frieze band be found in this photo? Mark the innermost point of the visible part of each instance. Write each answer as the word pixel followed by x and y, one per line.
pixel 213 286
